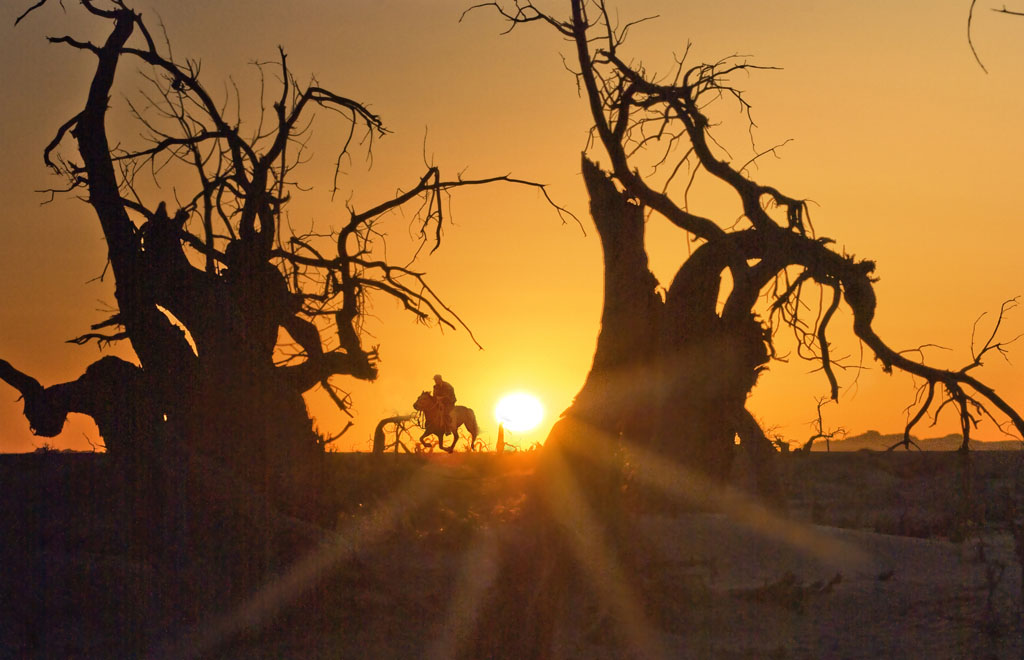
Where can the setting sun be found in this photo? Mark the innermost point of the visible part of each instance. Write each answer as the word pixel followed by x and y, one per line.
pixel 519 411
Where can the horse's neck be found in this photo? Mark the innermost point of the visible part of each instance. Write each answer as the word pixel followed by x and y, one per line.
pixel 434 410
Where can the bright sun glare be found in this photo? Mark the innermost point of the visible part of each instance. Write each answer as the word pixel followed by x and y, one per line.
pixel 519 411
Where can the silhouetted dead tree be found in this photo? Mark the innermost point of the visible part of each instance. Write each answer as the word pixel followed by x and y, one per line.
pixel 819 430
pixel 673 367
pixel 206 280
pixel 401 424
pixel 684 394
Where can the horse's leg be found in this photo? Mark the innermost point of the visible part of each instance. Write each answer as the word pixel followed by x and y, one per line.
pixel 423 441
pixel 473 429
pixel 455 439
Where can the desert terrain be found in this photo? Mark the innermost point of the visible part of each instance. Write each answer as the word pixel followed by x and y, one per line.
pixel 879 555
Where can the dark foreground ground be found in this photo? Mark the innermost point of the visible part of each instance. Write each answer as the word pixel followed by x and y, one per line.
pixel 881 556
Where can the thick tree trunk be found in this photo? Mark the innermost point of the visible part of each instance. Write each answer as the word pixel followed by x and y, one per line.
pixel 671 377
pixel 707 362
pixel 707 372
pixel 621 378
pixel 587 447
pixel 575 499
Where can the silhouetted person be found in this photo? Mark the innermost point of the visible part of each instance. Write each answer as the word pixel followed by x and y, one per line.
pixel 444 395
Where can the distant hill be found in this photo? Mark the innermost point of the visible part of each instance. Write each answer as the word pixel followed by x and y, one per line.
pixel 879 442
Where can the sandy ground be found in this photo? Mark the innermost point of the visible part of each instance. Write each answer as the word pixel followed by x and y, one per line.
pixel 838 593
pixel 717 590
pixel 410 581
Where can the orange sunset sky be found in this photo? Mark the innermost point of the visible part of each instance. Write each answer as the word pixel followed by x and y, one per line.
pixel 913 155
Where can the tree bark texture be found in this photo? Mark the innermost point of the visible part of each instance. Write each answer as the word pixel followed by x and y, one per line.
pixel 671 377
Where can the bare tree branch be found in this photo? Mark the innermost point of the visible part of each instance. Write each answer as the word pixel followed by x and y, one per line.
pixel 632 109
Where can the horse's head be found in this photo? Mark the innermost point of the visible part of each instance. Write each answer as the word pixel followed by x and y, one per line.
pixel 424 401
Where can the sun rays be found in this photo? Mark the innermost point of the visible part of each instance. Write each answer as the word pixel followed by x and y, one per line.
pixel 281 591
pixel 582 532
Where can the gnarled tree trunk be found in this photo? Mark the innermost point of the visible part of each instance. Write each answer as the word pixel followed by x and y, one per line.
pixel 668 377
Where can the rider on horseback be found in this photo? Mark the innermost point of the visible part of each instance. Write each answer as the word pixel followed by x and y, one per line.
pixel 444 395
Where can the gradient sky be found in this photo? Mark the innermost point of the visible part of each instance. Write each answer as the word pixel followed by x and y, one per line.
pixel 912 154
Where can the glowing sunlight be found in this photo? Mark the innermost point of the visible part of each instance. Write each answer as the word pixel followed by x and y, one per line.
pixel 519 411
